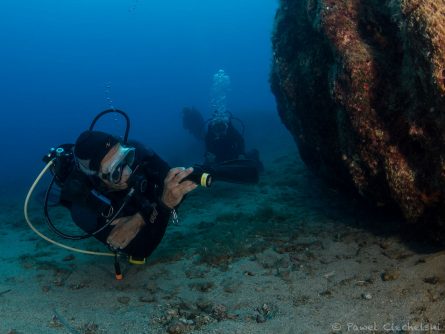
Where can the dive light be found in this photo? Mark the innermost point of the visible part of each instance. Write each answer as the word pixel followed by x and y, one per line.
pixel 244 171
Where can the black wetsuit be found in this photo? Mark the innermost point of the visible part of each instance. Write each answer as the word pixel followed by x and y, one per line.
pixel 90 217
pixel 227 147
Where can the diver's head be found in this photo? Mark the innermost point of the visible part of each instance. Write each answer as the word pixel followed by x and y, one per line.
pixel 218 126
pixel 103 155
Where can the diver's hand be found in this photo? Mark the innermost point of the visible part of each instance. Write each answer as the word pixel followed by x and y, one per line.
pixel 125 229
pixel 174 189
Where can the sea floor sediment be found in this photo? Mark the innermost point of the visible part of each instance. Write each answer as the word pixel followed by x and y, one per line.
pixel 288 255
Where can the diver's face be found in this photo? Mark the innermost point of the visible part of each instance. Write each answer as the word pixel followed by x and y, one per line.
pixel 115 167
pixel 219 129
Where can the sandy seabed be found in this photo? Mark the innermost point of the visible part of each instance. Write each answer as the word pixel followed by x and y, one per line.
pixel 288 255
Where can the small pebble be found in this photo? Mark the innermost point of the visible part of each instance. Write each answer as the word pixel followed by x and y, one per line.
pixel 260 318
pixel 58 281
pixel 202 320
pixel 177 328
pixel 326 293
pixel 367 296
pixel 219 312
pixel 202 286
pixel 265 309
pixel 431 280
pixel 390 275
pixel 172 312
pixel 186 322
pixel 90 328
pixel 77 286
pixel 55 322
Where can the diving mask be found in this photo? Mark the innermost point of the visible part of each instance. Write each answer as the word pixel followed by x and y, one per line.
pixel 124 157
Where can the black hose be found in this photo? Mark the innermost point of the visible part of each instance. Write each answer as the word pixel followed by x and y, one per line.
pixel 127 119
pixel 50 223
pixel 88 235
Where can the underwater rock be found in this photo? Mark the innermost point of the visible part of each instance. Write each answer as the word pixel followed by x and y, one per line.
pixel 147 299
pixel 361 87
pixel 186 316
pixel 177 328
pixel 432 280
pixel 390 275
pixel 265 312
pixel 219 312
pixel 55 322
pixel 366 296
pixel 90 328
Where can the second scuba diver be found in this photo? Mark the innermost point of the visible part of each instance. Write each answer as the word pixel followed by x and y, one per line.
pixel 223 141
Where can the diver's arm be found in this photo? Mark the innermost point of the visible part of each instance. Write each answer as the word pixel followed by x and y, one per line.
pixel 125 230
pixel 173 193
pixel 153 216
pixel 141 233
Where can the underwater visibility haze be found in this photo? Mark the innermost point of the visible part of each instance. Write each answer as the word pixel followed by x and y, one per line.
pixel 65 61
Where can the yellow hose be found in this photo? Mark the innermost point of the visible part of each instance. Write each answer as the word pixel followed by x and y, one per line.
pixel 25 211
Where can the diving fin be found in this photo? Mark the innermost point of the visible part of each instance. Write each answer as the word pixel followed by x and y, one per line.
pixel 193 121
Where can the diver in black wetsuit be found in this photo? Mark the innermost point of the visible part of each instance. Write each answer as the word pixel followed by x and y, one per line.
pixel 223 142
pixel 97 187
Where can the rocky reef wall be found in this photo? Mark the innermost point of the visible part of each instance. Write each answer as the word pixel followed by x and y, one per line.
pixel 360 84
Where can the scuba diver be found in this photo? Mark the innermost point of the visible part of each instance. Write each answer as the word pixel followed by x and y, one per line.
pixel 105 168
pixel 223 141
pixel 122 193
pixel 117 191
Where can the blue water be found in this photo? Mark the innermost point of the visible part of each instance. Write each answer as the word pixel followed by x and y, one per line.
pixel 65 61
